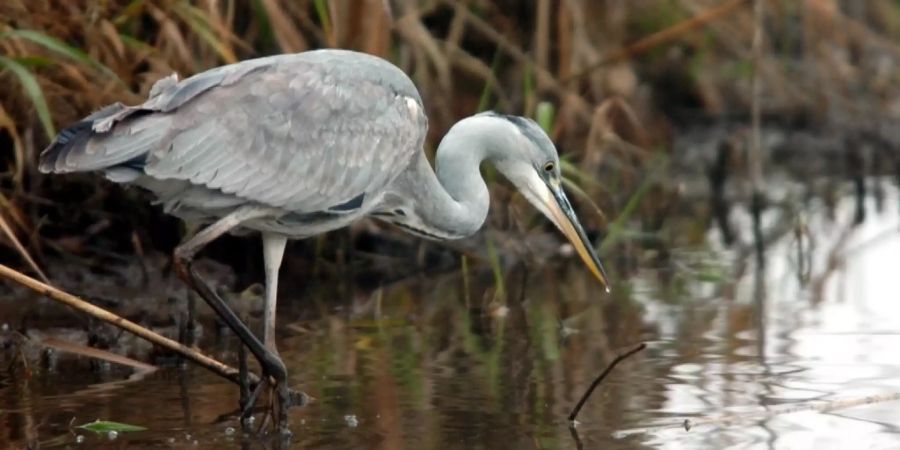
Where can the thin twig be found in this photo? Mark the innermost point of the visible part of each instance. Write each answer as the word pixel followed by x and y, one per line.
pixel 96 353
pixel 661 37
pixel 574 433
pixel 763 415
pixel 7 230
pixel 213 365
pixel 612 365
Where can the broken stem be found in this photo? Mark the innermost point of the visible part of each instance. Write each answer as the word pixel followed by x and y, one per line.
pixel 213 365
pixel 612 365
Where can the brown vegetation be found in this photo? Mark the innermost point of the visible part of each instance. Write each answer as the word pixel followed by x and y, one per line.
pixel 613 81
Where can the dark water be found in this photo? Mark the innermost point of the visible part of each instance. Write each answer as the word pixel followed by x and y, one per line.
pixel 422 365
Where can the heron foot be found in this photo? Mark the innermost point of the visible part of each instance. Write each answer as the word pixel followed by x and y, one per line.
pixel 271 364
pixel 283 398
pixel 282 402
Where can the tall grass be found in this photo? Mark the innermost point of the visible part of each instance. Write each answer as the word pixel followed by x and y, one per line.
pixel 601 73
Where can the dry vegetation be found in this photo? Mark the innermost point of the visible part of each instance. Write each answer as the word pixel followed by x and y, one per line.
pixel 614 81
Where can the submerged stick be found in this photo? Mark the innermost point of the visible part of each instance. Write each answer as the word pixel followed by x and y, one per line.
pixel 766 414
pixel 95 353
pixel 211 364
pixel 612 365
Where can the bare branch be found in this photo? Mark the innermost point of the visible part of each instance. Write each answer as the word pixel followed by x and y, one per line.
pixel 213 365
pixel 612 365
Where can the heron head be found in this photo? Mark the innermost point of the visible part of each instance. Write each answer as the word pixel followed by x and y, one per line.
pixel 530 161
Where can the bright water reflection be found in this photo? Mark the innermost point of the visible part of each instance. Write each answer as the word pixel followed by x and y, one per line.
pixel 833 337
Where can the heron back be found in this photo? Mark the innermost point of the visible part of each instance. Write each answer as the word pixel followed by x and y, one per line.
pixel 305 132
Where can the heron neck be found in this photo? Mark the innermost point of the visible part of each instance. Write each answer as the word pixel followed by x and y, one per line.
pixel 452 201
pixel 457 164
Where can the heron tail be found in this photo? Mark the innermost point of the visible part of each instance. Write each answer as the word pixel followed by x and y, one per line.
pixel 94 144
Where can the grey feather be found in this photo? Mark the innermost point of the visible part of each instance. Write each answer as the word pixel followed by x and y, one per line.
pixel 302 132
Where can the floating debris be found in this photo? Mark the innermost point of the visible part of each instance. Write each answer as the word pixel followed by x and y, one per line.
pixel 112 435
pixel 104 426
pixel 229 431
pixel 79 439
pixel 351 420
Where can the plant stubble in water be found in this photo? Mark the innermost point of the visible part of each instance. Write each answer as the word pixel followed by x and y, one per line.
pixel 428 372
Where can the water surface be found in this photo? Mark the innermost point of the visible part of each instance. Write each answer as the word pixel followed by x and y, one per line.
pixel 427 364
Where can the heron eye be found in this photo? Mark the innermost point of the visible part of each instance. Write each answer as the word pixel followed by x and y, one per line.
pixel 549 166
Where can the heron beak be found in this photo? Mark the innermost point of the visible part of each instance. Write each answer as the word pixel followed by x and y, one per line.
pixel 558 209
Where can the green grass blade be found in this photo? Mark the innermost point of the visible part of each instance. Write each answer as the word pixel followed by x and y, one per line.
pixel 465 276
pixel 617 227
pixel 488 88
pixel 200 24
pixel 267 40
pixel 322 11
pixel 136 44
pixel 103 426
pixel 573 187
pixel 129 13
pixel 528 89
pixel 59 47
pixel 34 92
pixel 496 267
pixel 573 172
pixel 32 62
pixel 544 115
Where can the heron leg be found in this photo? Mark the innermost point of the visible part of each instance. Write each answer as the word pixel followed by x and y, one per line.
pixel 273 251
pixel 184 255
pixel 191 320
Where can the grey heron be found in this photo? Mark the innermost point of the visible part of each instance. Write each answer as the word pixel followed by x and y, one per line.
pixel 295 145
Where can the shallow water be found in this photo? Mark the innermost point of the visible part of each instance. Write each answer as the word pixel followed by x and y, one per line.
pixel 421 364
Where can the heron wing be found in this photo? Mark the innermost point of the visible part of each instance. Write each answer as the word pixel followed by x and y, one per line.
pixel 295 133
pixel 119 134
